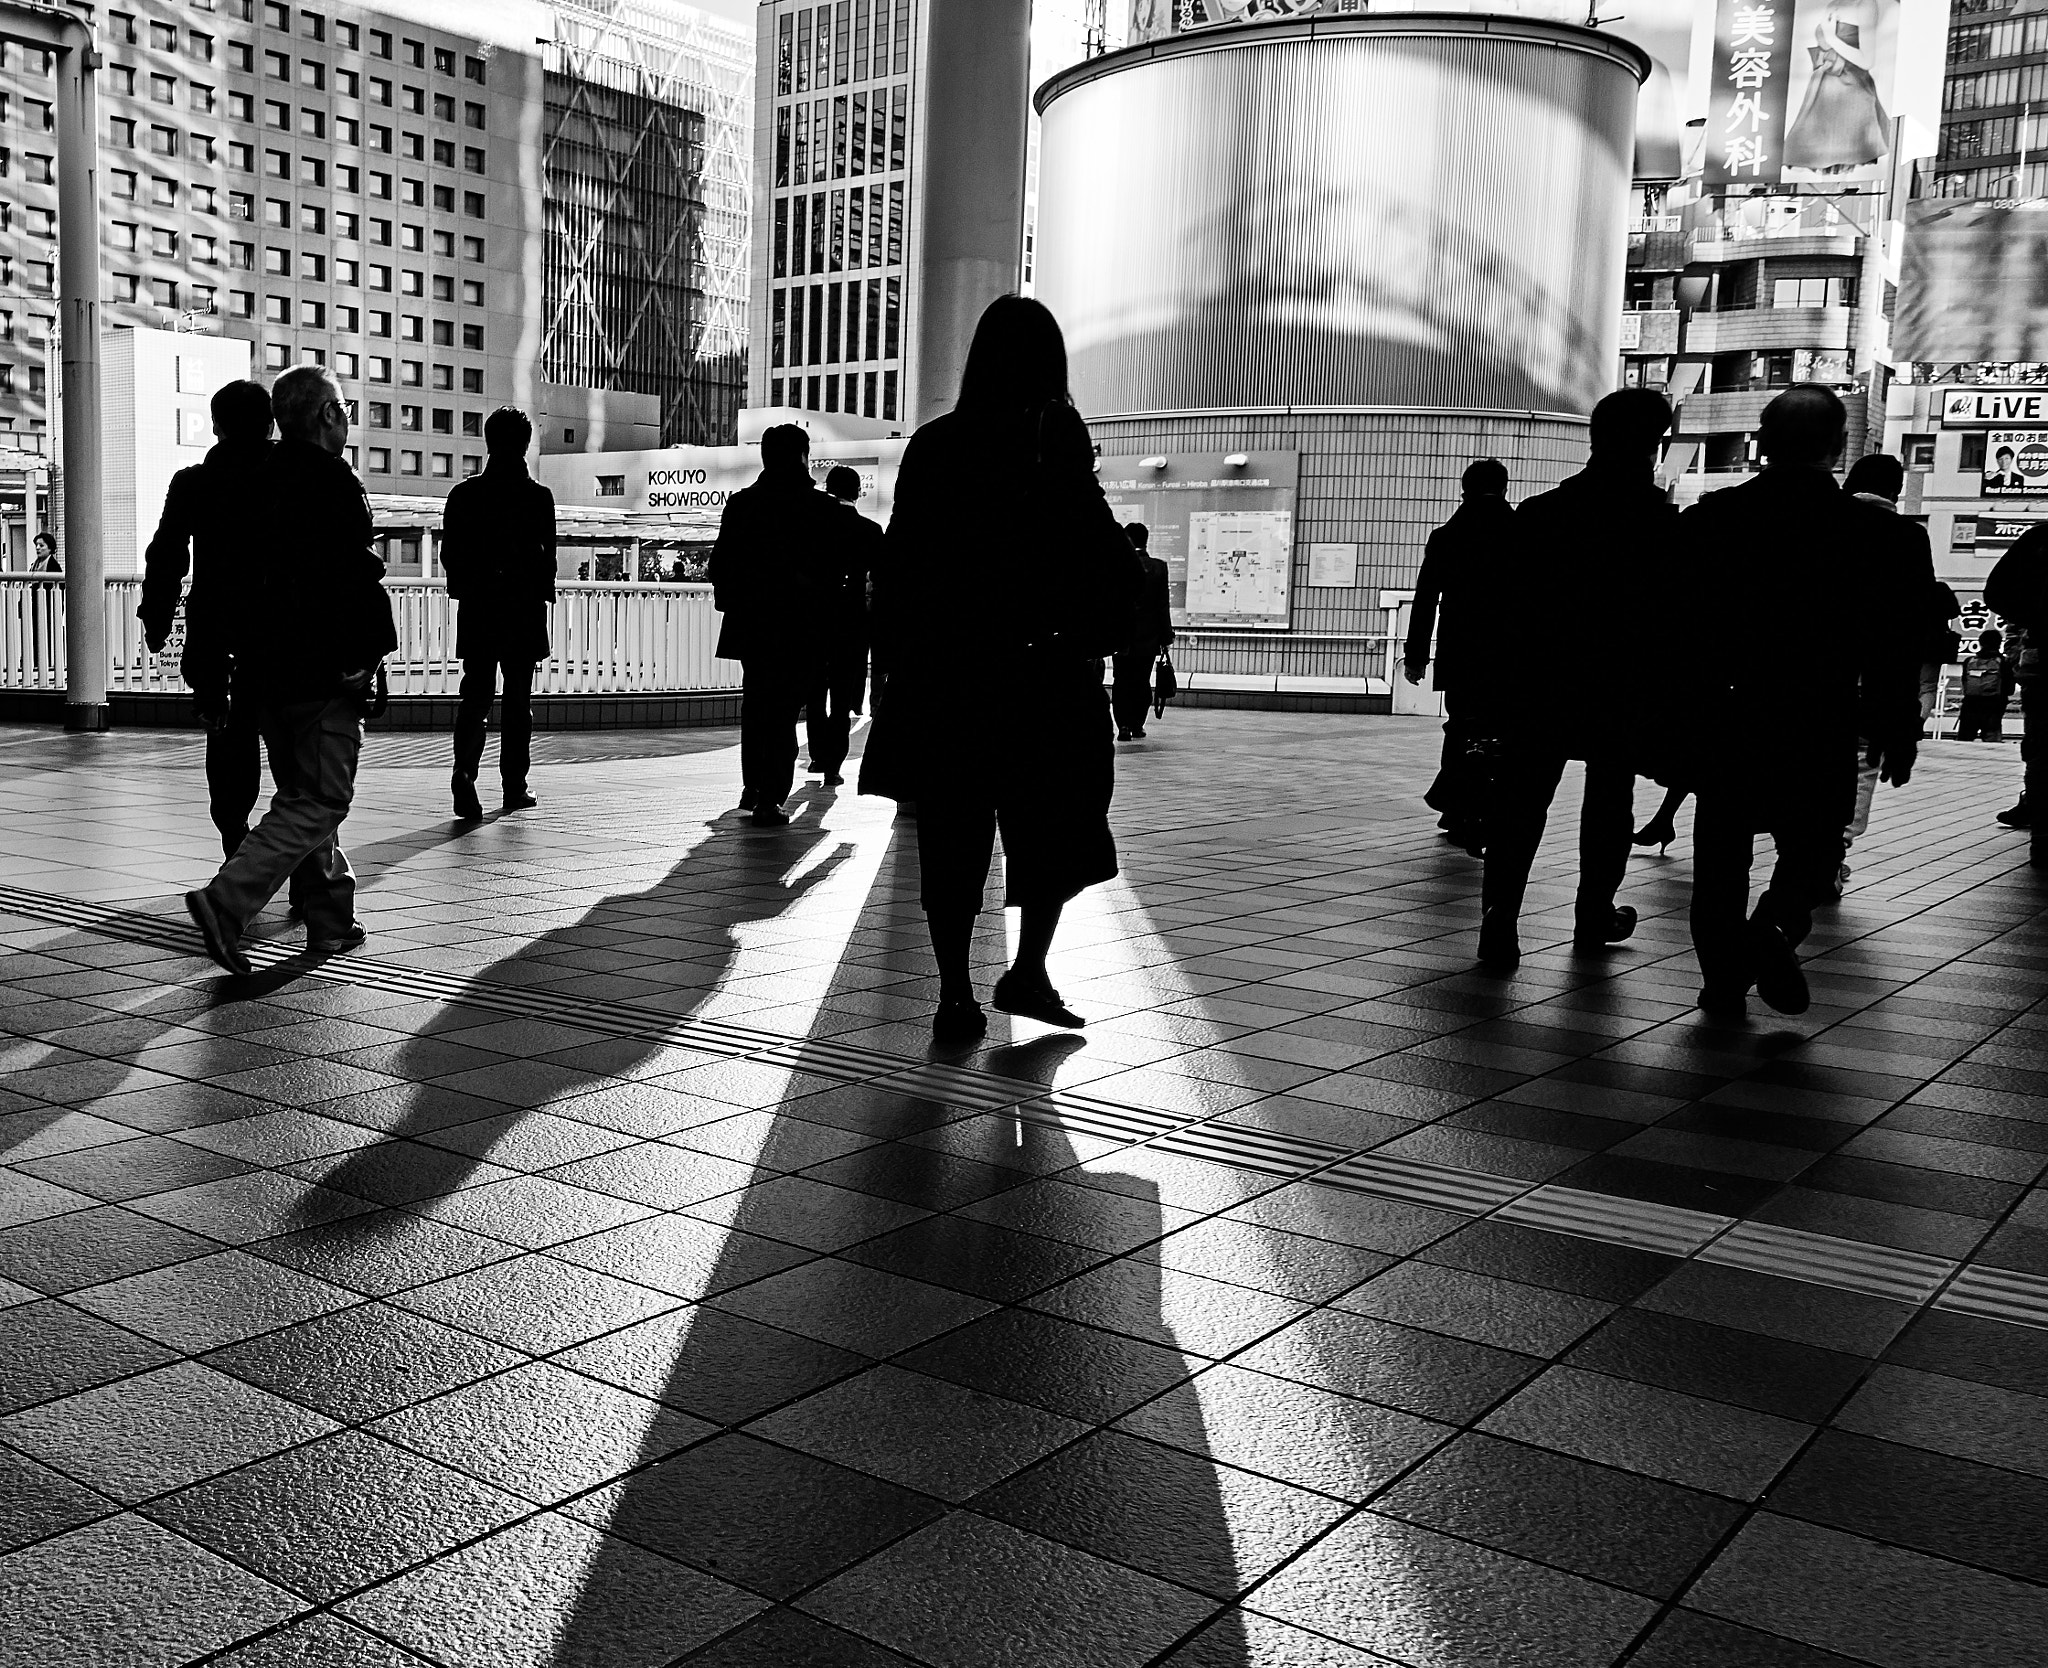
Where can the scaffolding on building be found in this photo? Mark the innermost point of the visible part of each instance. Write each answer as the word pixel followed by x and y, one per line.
pixel 647 164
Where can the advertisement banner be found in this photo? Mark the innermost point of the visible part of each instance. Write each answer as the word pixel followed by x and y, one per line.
pixel 2016 463
pixel 1995 534
pixel 1970 287
pixel 1800 89
pixel 1986 408
pixel 1752 85
pixel 1225 534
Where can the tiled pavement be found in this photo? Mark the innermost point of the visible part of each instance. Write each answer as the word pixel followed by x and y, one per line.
pixel 596 1271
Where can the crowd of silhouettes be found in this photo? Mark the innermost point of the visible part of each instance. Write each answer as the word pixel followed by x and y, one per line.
pixel 1772 737
pixel 991 720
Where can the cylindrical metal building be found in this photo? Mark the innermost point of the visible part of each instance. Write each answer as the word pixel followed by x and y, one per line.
pixel 1385 244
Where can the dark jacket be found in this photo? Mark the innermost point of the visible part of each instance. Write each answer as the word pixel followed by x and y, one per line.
pixel 1155 607
pixel 777 570
pixel 321 611
pixel 498 551
pixel 211 527
pixel 1773 714
pixel 1594 559
pixel 993 623
pixel 1462 568
pixel 859 553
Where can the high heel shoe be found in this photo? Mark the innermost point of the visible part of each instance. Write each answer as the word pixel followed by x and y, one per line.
pixel 1655 834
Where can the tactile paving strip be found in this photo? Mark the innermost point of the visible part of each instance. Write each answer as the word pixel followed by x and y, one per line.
pixel 1910 1277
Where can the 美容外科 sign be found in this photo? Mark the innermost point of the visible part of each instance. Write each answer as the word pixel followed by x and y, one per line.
pixel 1226 534
pixel 1800 91
pixel 1989 408
pixel 2016 463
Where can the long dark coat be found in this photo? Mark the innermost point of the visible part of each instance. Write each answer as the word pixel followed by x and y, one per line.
pixel 498 551
pixel 1004 580
pixel 1462 568
pixel 212 527
pixel 777 570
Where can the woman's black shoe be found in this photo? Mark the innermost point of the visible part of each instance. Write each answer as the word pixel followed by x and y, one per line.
pixel 960 1021
pixel 1037 1001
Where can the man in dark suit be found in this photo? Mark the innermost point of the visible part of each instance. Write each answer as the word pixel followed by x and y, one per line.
pixel 841 683
pixel 1463 568
pixel 2018 590
pixel 1592 559
pixel 211 528
pixel 1787 544
pixel 1131 688
pixel 775 576
pixel 498 550
pixel 322 623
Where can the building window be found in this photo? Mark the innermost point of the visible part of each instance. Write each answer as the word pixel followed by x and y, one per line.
pixel 473 116
pixel 242 256
pixel 411 193
pixel 444 376
pixel 163 243
pixel 276 356
pixel 312 218
pixel 312 267
pixel 380 323
pixel 205 251
pixel 444 153
pixel 202 199
pixel 345 364
pixel 313 124
pixel 347 131
pixel 313 315
pixel 444 108
pixel 202 100
pixel 473 424
pixel 121 133
pixel 444 287
pixel 472 464
pixel 380 90
pixel 473 204
pixel 313 74
pixel 412 147
pixel 472 380
pixel 408 463
pixel 120 235
pixel 163 89
pixel 347 272
pixel 199 46
pixel 1971 460
pixel 347 225
pixel 380 138
pixel 380 368
pixel 444 199
pixel 277 65
pixel 443 465
pixel 410 282
pixel 411 328
pixel 380 460
pixel 277 212
pixel 413 101
pixel 411 373
pixel 241 206
pixel 277 309
pixel 41 170
pixel 472 292
pixel 1918 451
pixel 348 35
pixel 472 248
pixel 444 333
pixel 348 84
pixel 380 232
pixel 347 319
pixel 473 70
pixel 277 165
pixel 163 193
pixel 473 337
pixel 347 178
pixel 412 239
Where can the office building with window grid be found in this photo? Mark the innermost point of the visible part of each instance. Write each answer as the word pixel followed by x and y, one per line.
pixel 356 187
pixel 888 198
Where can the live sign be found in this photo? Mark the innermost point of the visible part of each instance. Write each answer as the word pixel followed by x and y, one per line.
pixel 1993 407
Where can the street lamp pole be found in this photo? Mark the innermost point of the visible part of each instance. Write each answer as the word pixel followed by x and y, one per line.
pixel 69 39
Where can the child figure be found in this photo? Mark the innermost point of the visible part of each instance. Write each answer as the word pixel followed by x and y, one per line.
pixel 1987 687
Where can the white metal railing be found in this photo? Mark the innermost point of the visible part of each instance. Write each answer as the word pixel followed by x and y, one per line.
pixel 607 639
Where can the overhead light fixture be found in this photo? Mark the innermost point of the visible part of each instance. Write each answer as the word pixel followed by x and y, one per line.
pixel 1151 463
pixel 1238 460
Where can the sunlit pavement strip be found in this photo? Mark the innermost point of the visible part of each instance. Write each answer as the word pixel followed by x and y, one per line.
pixel 1790 1253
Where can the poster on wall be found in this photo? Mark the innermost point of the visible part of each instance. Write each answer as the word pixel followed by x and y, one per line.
pixel 1800 91
pixel 2016 463
pixel 1224 529
pixel 1969 283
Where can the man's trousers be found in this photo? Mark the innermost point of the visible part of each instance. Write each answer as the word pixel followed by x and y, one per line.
pixel 1808 837
pixel 515 724
pixel 1528 782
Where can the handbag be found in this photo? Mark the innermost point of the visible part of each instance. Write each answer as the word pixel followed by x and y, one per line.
pixel 1165 685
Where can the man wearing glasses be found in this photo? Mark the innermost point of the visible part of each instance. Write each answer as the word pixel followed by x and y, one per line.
pixel 322 623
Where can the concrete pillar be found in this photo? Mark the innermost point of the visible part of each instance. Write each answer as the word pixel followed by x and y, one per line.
pixel 969 199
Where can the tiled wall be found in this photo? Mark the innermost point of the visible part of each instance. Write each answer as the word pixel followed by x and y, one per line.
pixel 1381 481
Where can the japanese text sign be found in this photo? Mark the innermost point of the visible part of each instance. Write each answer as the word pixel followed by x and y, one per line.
pixel 1746 109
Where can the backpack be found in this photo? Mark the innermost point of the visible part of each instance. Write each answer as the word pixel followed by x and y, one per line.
pixel 1983 678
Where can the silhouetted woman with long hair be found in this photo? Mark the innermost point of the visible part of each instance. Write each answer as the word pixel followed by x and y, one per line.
pixel 1004 580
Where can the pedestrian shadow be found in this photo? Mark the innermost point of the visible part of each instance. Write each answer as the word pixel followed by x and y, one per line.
pixel 467 1071
pixel 884 1417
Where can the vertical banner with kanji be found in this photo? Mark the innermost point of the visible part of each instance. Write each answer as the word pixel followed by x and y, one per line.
pixel 1750 96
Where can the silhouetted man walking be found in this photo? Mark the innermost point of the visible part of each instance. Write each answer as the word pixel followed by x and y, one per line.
pixel 1131 676
pixel 322 623
pixel 498 550
pixel 212 528
pixel 1591 556
pixel 1460 579
pixel 775 577
pixel 1786 544
pixel 837 693
pixel 2017 589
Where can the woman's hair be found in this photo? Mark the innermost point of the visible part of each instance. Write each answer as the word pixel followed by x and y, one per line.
pixel 1877 472
pixel 1018 359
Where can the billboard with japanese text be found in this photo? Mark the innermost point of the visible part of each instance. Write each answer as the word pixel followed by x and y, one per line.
pixel 1800 91
pixel 1970 288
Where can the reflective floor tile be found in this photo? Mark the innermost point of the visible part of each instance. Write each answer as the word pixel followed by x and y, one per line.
pixel 1794 1381
pixel 1477 1307
pixel 780 1638
pixel 131 1168
pixel 1402 1366
pixel 551 1592
pixel 957 1252
pixel 1265 1259
pixel 967 1592
pixel 60 1254
pixel 721 1367
pixel 681 1255
pixel 541 1431
pixel 1279 1428
pixel 1688 1639
pixel 535 1303
pixel 1164 1306
pixel 320 1641
pixel 213 1300
pixel 1682 1439
pixel 124 1594
pixel 383 1251
pixel 160 1430
pixel 336 1515
pixel 50 1349
pixel 1880 1604
pixel 1170 1513
pixel 1051 1363
pixel 1952 1416
pixel 1592 1520
pixel 1241 1639
pixel 1434 1602
pixel 853 1307
pixel 36 1502
pixel 771 1520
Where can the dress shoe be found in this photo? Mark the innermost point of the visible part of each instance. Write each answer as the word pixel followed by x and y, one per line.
pixel 1034 999
pixel 814 769
pixel 1779 980
pixel 2018 817
pixel 1500 949
pixel 1718 1003
pixel 835 780
pixel 468 808
pixel 959 1021
pixel 1123 735
pixel 216 935
pixel 518 799
pixel 770 816
pixel 749 798
pixel 1620 924
pixel 351 937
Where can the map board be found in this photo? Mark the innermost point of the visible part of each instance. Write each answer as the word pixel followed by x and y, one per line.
pixel 1224 530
